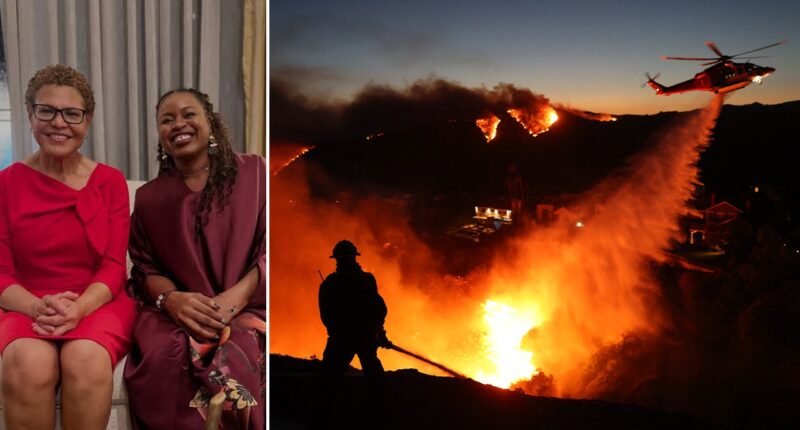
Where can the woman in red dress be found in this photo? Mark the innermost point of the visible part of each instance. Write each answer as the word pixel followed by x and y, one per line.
pixel 198 247
pixel 65 318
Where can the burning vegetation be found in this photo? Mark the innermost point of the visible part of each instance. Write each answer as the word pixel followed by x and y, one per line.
pixel 535 121
pixel 560 310
pixel 488 126
pixel 292 151
pixel 378 109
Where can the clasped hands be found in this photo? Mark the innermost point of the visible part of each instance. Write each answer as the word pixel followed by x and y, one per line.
pixel 56 314
pixel 203 317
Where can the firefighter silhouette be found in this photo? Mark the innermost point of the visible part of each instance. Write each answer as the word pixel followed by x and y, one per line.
pixel 353 313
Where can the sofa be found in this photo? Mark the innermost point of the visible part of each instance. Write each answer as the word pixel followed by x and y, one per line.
pixel 120 419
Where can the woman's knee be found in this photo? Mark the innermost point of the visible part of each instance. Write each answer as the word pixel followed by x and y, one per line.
pixel 30 364
pixel 85 363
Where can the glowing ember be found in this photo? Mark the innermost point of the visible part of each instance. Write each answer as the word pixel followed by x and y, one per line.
pixel 505 329
pixel 302 152
pixel 537 121
pixel 488 126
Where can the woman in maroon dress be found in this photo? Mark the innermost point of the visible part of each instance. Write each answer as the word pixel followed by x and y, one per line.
pixel 65 317
pixel 198 246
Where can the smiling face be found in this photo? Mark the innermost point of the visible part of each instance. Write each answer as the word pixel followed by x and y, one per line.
pixel 183 127
pixel 56 137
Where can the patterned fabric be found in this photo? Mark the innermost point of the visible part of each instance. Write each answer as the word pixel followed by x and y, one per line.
pixel 212 360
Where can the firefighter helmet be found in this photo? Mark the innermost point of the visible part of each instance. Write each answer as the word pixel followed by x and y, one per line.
pixel 344 247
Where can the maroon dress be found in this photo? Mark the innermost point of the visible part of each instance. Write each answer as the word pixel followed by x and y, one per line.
pixel 170 377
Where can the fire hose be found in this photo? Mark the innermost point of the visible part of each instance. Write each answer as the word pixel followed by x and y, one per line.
pixel 389 345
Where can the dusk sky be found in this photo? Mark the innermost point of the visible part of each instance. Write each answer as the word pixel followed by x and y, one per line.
pixel 590 55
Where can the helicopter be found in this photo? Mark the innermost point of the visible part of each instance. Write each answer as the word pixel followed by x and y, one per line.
pixel 723 76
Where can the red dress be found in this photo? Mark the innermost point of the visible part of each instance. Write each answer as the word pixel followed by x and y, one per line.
pixel 54 238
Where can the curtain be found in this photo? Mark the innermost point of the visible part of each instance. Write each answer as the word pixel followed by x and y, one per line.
pixel 255 74
pixel 131 51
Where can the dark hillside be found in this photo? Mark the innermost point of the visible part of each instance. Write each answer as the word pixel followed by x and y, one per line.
pixel 412 400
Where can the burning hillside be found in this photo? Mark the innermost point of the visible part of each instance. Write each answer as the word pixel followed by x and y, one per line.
pixel 560 310
pixel 439 131
pixel 562 295
pixel 283 154
pixel 536 121
pixel 378 109
pixel 488 126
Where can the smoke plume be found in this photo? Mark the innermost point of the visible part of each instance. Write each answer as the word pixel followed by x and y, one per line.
pixel 379 108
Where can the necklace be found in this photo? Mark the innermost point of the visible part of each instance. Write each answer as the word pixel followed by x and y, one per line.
pixel 196 174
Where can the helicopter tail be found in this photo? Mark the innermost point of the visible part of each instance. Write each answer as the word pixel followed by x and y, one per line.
pixel 651 82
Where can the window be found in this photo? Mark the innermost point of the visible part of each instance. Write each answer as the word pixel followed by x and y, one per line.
pixel 6 152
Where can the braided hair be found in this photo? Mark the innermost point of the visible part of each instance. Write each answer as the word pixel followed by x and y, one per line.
pixel 222 162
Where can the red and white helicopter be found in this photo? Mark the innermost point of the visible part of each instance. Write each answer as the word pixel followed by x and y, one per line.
pixel 723 76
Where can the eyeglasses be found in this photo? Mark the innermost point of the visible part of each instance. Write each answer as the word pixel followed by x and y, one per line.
pixel 47 113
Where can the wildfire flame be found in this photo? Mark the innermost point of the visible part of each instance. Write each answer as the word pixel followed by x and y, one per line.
pixel 535 122
pixel 302 152
pixel 488 126
pixel 552 117
pixel 505 330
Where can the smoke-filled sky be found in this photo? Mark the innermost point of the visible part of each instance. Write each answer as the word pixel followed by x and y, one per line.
pixel 591 55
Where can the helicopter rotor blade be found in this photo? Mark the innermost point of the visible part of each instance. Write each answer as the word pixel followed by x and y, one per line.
pixel 689 58
pixel 758 49
pixel 712 46
pixel 650 78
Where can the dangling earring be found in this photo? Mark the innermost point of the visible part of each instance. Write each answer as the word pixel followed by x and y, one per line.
pixel 162 157
pixel 212 145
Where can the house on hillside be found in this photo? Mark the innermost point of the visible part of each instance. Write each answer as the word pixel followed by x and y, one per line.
pixel 716 226
pixel 721 212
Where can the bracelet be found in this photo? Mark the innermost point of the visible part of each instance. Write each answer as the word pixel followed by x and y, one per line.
pixel 162 298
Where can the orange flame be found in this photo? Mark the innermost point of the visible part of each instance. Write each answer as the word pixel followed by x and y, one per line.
pixel 505 330
pixel 488 126
pixel 552 117
pixel 537 121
